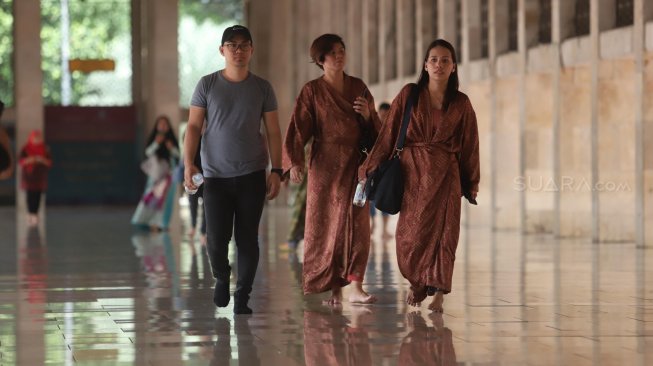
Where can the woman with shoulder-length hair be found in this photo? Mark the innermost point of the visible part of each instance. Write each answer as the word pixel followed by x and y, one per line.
pixel 332 110
pixel 440 162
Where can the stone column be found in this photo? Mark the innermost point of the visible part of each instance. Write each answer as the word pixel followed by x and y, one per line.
pixel 446 20
pixel 28 83
pixel 492 56
pixel 557 31
pixel 355 39
pixel 523 52
pixel 29 115
pixel 405 33
pixel 370 44
pixel 426 24
pixel 595 54
pixel 642 10
pixel 158 64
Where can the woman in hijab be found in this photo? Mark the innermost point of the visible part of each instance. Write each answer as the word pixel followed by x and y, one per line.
pixel 35 162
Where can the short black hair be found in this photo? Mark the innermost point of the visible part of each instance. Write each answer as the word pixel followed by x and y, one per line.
pixel 323 45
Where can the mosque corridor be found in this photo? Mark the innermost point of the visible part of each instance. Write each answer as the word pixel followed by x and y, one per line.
pixel 86 289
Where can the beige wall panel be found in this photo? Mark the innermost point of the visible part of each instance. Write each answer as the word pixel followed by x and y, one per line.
pixel 479 94
pixel 507 144
pixel 540 193
pixel 616 151
pixel 575 168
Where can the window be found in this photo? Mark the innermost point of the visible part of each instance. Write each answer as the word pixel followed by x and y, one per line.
pixel 544 31
pixel 625 13
pixel 582 17
pixel 485 30
pixel 512 25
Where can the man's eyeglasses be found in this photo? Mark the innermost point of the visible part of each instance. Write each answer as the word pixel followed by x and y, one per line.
pixel 233 47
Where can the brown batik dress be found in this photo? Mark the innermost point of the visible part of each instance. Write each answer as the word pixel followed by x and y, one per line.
pixel 337 233
pixel 440 160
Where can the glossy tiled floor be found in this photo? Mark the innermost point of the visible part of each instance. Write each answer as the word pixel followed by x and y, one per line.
pixel 85 289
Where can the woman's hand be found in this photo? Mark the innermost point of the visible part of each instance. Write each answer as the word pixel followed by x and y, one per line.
pixel 159 138
pixel 296 174
pixel 362 107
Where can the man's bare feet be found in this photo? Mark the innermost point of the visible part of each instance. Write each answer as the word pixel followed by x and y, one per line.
pixel 203 239
pixel 191 233
pixel 415 298
pixel 358 296
pixel 436 304
pixel 336 297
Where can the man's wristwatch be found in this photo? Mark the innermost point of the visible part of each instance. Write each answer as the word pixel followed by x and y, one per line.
pixel 278 171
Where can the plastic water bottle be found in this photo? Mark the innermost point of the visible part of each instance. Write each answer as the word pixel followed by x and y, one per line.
pixel 197 179
pixel 360 197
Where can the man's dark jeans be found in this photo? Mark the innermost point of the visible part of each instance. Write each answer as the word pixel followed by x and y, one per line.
pixel 234 205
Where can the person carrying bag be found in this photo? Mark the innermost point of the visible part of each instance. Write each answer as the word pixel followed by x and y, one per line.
pixel 386 185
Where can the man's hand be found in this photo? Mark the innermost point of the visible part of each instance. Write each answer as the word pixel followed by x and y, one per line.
pixel 189 171
pixel 273 184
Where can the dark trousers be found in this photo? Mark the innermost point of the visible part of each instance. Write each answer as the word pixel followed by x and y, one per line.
pixel 193 202
pixel 33 201
pixel 234 205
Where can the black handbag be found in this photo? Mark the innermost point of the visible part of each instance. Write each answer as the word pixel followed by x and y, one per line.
pixel 386 184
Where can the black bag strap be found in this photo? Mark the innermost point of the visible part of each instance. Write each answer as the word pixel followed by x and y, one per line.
pixel 412 98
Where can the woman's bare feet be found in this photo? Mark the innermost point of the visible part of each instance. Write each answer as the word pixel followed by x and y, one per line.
pixel 436 304
pixel 336 297
pixel 415 298
pixel 358 296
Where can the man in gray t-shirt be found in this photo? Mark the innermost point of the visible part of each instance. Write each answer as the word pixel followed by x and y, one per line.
pixel 234 155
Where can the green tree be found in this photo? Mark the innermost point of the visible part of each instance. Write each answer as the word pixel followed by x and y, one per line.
pixel 207 18
pixel 216 11
pixel 95 27
pixel 6 52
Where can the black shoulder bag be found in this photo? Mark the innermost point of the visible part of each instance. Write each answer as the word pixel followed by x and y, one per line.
pixel 386 184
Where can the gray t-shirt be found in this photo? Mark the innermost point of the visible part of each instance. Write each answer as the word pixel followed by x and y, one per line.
pixel 233 144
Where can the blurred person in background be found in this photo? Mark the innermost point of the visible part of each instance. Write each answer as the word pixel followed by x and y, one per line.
pixel 6 157
pixel 161 156
pixel 35 162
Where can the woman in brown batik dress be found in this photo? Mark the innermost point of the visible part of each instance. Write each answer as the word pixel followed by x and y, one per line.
pixel 440 162
pixel 337 233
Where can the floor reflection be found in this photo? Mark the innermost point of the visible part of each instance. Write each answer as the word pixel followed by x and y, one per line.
pixel 244 349
pixel 427 344
pixel 332 339
pixel 83 288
